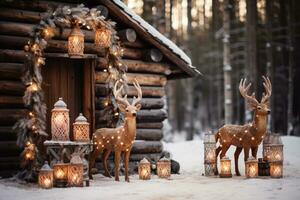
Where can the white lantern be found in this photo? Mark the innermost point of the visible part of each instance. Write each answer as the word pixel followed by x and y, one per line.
pixel 81 129
pixel 75 171
pixel 60 121
pixel 76 43
pixel 251 168
pixel 209 154
pixel 46 176
pixel 102 37
pixel 163 168
pixel 273 148
pixel 225 168
pixel 144 169
pixel 276 169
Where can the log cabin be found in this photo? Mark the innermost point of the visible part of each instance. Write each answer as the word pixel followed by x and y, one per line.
pixel 151 58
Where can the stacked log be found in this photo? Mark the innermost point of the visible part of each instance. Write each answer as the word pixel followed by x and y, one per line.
pixel 145 63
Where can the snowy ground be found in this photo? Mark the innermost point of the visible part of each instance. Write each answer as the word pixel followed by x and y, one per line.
pixel 190 184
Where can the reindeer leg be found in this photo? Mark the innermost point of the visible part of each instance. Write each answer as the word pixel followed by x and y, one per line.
pixel 105 156
pixel 254 151
pixel 224 150
pixel 236 159
pixel 126 160
pixel 217 154
pixel 246 153
pixel 117 164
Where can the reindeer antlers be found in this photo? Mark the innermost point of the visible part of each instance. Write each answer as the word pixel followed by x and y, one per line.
pixel 268 87
pixel 118 96
pixel 139 91
pixel 123 100
pixel 244 90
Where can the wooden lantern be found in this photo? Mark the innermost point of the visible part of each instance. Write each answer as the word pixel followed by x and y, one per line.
pixel 209 154
pixel 60 121
pixel 81 129
pixel 225 168
pixel 76 43
pixel 276 169
pixel 163 168
pixel 75 172
pixel 102 37
pixel 60 171
pixel 273 148
pixel 144 169
pixel 46 176
pixel 251 168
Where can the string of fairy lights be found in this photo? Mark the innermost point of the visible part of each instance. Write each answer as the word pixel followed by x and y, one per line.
pixel 31 128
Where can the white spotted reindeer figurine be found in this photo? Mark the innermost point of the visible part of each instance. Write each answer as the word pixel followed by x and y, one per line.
pixel 248 136
pixel 118 140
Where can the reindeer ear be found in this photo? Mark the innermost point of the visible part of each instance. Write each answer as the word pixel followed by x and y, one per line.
pixel 122 107
pixel 138 106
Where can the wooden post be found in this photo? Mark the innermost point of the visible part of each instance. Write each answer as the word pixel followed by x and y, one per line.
pixel 226 64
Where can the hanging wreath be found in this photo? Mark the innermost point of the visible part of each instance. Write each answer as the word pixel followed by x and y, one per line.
pixel 31 129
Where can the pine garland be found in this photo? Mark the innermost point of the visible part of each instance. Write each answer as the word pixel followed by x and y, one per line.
pixel 31 129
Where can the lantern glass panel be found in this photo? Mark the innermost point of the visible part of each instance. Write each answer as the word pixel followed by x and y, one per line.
pixel 276 169
pixel 103 37
pixel 81 129
pixel 273 152
pixel 60 121
pixel 45 179
pixel 163 168
pixel 75 175
pixel 273 148
pixel 60 171
pixel 251 168
pixel 144 170
pixel 225 168
pixel 76 43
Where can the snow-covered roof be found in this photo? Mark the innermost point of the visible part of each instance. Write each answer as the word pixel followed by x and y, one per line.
pixel 157 35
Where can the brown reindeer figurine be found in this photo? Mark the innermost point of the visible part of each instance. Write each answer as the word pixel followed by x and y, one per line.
pixel 120 139
pixel 247 136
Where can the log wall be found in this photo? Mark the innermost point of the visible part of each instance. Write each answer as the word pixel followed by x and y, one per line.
pixel 17 20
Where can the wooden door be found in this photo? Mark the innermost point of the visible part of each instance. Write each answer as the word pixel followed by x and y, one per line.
pixel 70 79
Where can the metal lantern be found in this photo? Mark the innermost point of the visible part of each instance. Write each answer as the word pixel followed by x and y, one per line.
pixel 225 168
pixel 60 121
pixel 75 172
pixel 209 154
pixel 76 43
pixel 102 37
pixel 81 129
pixel 263 167
pixel 46 176
pixel 273 148
pixel 60 171
pixel 251 167
pixel 276 169
pixel 144 169
pixel 163 168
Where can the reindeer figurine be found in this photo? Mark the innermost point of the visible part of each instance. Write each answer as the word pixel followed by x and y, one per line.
pixel 247 136
pixel 120 139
